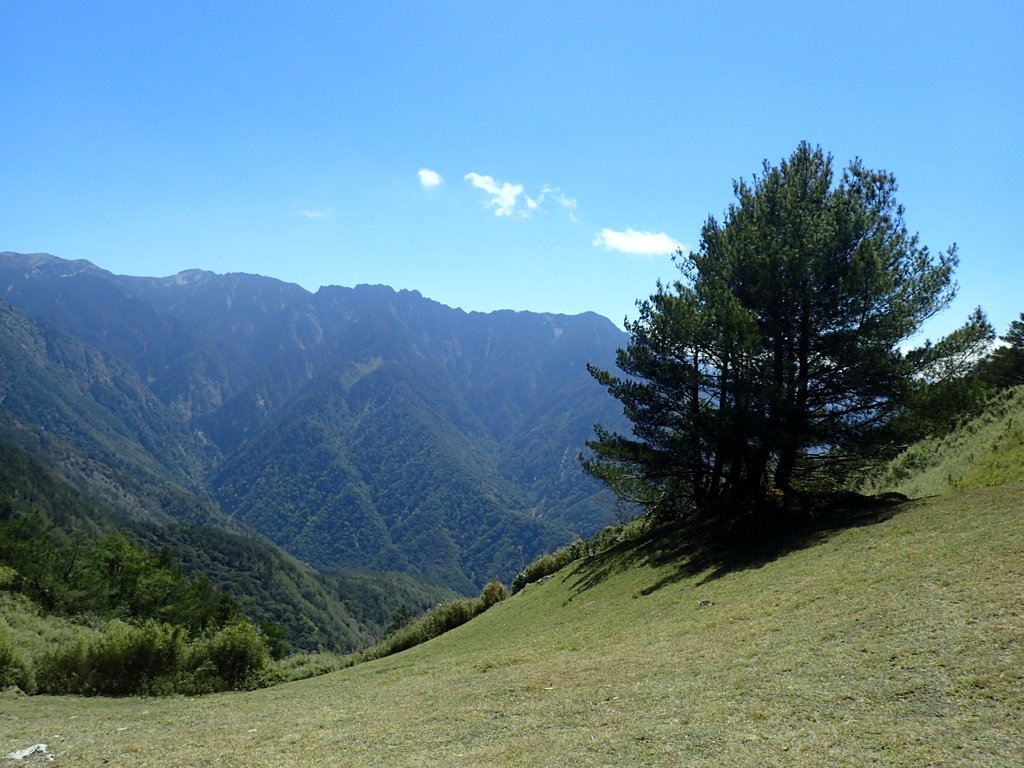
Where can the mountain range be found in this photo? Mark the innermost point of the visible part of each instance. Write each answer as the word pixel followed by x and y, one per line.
pixel 355 428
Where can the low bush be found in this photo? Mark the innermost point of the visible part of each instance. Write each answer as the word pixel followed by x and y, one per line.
pixel 545 565
pixel 438 620
pixel 126 660
pixel 234 657
pixel 156 659
pixel 13 670
pixel 64 670
pixel 553 562
pixel 304 665
pixel 494 592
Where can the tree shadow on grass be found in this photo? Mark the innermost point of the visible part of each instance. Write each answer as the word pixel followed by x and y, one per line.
pixel 707 551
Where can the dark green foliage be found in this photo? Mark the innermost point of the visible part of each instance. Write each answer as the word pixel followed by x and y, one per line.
pixel 232 657
pixel 177 634
pixel 225 570
pixel 164 631
pixel 774 364
pixel 341 477
pixel 153 658
pixel 401 619
pixel 1004 368
pixel 552 562
pixel 267 585
pixel 387 601
pixel 109 577
pixel 13 669
pixel 961 389
pixel 125 660
pixel 275 637
pixel 440 619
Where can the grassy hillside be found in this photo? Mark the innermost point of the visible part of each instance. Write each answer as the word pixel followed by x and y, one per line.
pixel 986 451
pixel 894 643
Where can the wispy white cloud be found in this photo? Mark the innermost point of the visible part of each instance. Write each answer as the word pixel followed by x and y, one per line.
pixel 429 179
pixel 509 199
pixel 641 243
pixel 317 213
pixel 503 196
pixel 554 193
pixel 548 191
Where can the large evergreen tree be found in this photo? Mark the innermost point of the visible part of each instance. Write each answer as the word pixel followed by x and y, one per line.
pixel 776 358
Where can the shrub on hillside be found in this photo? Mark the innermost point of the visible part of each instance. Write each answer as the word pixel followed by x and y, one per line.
pixel 552 562
pixel 138 659
pixel 234 657
pixel 156 659
pixel 64 670
pixel 125 660
pixel 494 592
pixel 13 670
pixel 440 619
pixel 300 666
pixel 436 621
pixel 545 565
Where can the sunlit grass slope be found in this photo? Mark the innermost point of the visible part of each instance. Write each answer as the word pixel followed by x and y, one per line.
pixel 986 451
pixel 896 643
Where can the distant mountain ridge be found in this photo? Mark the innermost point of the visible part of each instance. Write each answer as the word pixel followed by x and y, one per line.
pixel 355 427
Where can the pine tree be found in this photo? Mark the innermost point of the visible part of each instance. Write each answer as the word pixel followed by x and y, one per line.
pixel 1005 366
pixel 776 358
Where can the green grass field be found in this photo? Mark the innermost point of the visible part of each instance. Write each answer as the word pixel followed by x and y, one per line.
pixel 896 643
pixel 986 451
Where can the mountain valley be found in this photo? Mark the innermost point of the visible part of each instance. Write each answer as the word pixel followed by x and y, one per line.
pixel 358 429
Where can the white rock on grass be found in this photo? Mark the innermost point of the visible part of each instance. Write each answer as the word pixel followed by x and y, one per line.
pixel 36 751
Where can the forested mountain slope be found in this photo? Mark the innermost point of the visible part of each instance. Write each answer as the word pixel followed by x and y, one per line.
pixel 356 427
pixel 340 612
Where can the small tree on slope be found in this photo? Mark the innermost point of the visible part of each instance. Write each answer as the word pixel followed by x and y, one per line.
pixel 776 358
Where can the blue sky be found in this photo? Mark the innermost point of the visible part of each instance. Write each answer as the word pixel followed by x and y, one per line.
pixel 525 155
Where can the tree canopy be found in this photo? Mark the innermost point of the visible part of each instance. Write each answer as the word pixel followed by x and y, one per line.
pixel 778 356
pixel 1005 367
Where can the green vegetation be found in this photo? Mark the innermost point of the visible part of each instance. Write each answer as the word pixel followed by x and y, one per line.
pixel 93 612
pixel 438 620
pixel 774 365
pixel 13 669
pixel 1005 366
pixel 985 451
pixel 315 482
pixel 552 562
pixel 893 643
pixel 304 417
pixel 143 626
pixel 949 396
pixel 549 564
pixel 338 613
pixel 155 658
pixel 108 577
